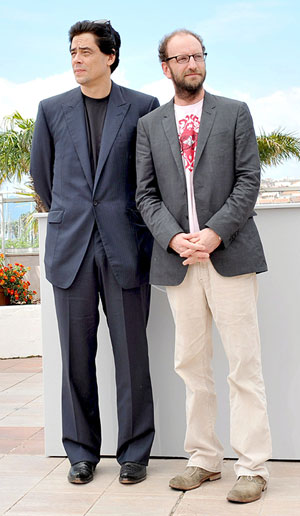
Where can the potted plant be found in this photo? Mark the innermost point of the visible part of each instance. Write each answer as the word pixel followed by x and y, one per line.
pixel 14 289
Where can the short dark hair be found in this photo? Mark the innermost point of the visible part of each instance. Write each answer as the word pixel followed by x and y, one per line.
pixel 107 38
pixel 162 49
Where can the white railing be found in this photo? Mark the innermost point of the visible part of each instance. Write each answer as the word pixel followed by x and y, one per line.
pixel 6 224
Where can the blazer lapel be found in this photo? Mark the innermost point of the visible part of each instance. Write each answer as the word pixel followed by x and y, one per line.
pixel 75 116
pixel 206 123
pixel 116 111
pixel 169 125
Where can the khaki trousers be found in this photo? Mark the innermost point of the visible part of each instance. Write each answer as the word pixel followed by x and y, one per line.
pixel 231 301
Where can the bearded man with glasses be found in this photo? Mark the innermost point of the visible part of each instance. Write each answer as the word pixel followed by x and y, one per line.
pixel 198 179
pixel 83 166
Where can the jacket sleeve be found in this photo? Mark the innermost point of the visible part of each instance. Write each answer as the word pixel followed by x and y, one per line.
pixel 42 158
pixel 238 207
pixel 159 220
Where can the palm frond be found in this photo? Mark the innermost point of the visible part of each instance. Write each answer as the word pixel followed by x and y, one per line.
pixel 277 147
pixel 15 145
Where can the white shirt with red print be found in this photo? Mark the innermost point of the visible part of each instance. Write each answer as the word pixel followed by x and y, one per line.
pixel 188 123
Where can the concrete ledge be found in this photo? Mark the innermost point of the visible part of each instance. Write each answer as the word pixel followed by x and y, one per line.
pixel 28 259
pixel 21 334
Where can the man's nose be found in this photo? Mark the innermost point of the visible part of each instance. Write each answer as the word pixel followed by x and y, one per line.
pixel 76 58
pixel 192 62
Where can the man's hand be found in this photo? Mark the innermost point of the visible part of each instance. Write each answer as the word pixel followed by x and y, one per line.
pixel 204 242
pixel 207 238
pixel 179 242
pixel 182 244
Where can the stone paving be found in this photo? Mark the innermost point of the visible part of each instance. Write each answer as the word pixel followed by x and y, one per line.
pixel 32 484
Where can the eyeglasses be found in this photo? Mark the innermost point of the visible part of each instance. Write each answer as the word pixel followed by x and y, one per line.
pixel 185 58
pixel 102 22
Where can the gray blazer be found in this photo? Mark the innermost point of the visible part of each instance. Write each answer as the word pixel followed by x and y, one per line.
pixel 226 185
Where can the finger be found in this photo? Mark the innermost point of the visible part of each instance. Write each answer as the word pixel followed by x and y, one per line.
pixel 201 247
pixel 199 255
pixel 186 236
pixel 186 253
pixel 194 235
pixel 198 247
pixel 190 261
pixel 188 245
pixel 191 245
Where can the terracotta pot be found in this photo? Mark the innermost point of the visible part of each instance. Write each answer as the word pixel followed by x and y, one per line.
pixel 4 300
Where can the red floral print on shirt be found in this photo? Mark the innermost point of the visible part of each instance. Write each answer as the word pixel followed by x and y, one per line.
pixel 188 135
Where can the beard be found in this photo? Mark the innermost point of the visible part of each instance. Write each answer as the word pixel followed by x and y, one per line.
pixel 185 89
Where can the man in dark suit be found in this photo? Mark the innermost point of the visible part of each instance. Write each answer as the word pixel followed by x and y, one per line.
pixel 198 179
pixel 83 166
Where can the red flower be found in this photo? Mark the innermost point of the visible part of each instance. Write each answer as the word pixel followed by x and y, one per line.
pixel 11 276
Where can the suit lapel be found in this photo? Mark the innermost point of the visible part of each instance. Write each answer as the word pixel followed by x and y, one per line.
pixel 169 125
pixel 206 123
pixel 75 117
pixel 116 111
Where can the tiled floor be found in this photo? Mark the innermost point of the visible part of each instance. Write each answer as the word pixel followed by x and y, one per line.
pixel 31 484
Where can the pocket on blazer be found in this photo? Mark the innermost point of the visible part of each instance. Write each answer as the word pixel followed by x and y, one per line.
pixel 55 216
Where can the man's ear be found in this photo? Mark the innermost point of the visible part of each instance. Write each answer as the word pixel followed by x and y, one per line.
pixel 111 59
pixel 166 70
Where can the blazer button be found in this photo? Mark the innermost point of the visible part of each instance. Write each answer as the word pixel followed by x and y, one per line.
pixel 95 203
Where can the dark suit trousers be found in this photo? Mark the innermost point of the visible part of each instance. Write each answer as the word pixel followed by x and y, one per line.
pixel 78 318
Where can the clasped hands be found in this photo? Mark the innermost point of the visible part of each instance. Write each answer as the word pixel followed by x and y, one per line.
pixel 195 247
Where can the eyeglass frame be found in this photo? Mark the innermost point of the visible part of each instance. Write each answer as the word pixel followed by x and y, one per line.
pixel 204 55
pixel 102 22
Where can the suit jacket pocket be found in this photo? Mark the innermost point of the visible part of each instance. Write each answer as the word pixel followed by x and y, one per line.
pixel 55 216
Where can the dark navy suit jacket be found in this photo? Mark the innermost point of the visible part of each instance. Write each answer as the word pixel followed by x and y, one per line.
pixel 60 167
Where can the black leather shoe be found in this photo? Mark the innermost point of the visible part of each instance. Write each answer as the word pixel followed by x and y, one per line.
pixel 132 473
pixel 81 472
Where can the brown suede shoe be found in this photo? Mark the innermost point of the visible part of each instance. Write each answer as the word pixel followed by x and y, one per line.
pixel 192 477
pixel 247 489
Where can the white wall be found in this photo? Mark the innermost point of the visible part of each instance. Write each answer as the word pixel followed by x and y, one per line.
pixel 279 316
pixel 20 331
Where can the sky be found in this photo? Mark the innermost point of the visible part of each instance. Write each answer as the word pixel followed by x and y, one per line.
pixel 253 53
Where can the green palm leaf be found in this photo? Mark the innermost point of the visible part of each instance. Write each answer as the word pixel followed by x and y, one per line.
pixel 277 147
pixel 15 144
